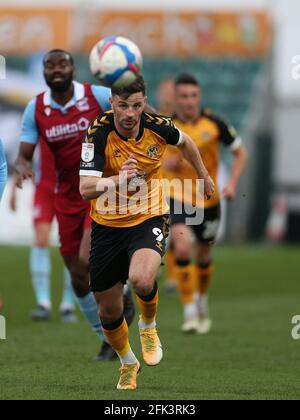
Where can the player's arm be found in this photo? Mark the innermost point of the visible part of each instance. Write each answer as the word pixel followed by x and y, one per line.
pixel 193 156
pixel 23 166
pixel 240 160
pixel 230 138
pixel 29 140
pixel 92 182
pixel 13 196
pixel 92 187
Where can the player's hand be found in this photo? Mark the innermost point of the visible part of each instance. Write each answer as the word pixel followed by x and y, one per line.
pixel 229 192
pixel 24 172
pixel 209 187
pixel 129 169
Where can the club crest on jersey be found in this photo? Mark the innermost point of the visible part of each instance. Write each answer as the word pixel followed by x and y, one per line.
pixel 83 105
pixel 152 152
pixel 88 152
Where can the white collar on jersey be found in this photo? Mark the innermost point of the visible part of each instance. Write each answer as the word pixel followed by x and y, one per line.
pixel 79 93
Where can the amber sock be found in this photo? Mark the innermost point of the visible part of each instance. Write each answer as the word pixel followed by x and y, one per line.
pixel 117 336
pixel 171 267
pixel 185 280
pixel 186 286
pixel 204 278
pixel 148 307
pixel 205 272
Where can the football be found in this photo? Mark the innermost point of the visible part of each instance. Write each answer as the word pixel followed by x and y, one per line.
pixel 116 61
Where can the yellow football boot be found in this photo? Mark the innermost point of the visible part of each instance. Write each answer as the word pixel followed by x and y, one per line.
pixel 151 346
pixel 128 376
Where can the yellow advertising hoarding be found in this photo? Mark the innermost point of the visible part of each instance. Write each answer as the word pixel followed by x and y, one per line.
pixel 156 32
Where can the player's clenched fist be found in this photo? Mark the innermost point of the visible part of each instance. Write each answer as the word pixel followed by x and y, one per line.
pixel 209 187
pixel 129 169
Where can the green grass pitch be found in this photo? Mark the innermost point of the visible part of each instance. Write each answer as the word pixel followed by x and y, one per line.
pixel 250 353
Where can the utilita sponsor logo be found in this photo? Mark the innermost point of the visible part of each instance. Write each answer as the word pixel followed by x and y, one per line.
pixel 65 130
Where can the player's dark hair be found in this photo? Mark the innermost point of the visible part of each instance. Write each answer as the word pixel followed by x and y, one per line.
pixel 186 79
pixel 139 85
pixel 58 51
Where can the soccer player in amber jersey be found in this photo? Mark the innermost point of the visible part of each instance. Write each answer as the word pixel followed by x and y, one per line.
pixel 128 241
pixel 208 132
pixel 60 117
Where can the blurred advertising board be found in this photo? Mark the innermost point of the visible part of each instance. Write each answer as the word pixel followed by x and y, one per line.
pixel 27 30
pixel 246 33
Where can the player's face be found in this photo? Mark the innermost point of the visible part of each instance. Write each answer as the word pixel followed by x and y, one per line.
pixel 187 100
pixel 165 94
pixel 58 71
pixel 128 111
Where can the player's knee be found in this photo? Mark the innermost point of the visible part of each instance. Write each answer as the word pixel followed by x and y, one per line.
pixel 142 283
pixel 80 282
pixel 183 251
pixel 84 260
pixel 109 313
pixel 183 254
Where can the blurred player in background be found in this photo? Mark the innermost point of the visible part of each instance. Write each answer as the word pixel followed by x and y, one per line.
pixel 60 117
pixel 43 217
pixel 122 146
pixel 165 97
pixel 3 178
pixel 208 132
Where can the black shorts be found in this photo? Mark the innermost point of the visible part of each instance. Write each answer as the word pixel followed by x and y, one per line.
pixel 206 231
pixel 112 249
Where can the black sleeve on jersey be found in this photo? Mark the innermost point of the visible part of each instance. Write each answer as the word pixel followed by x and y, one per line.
pixel 164 127
pixel 228 133
pixel 96 138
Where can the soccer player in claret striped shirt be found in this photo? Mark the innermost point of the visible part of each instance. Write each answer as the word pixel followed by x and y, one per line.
pixel 129 244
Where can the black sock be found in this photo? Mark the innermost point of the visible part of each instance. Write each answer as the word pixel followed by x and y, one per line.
pixel 113 325
pixel 183 263
pixel 152 294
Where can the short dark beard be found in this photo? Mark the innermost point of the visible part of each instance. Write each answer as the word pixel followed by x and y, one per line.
pixel 61 87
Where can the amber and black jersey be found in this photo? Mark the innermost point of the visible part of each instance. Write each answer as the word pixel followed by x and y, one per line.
pixel 208 133
pixel 104 152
